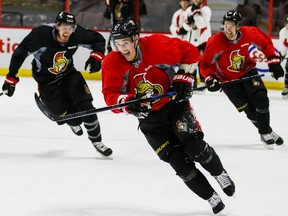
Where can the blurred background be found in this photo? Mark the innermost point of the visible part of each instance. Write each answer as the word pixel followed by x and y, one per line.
pixel 152 15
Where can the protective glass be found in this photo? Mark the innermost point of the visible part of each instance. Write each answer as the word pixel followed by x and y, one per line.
pixel 122 44
pixel 229 26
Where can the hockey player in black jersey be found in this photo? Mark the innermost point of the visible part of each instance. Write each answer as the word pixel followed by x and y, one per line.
pixel 61 87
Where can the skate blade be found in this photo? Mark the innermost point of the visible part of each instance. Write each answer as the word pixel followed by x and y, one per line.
pixel 223 212
pixel 103 157
pixel 270 146
pixel 199 92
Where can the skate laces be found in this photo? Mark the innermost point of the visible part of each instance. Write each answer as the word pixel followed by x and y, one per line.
pixel 223 180
pixel 274 135
pixel 214 200
pixel 102 149
pixel 76 129
pixel 267 136
pixel 100 146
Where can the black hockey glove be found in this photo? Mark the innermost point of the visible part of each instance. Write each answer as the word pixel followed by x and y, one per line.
pixel 190 20
pixel 213 83
pixel 181 31
pixel 195 9
pixel 275 68
pixel 182 85
pixel 8 87
pixel 94 63
pixel 139 110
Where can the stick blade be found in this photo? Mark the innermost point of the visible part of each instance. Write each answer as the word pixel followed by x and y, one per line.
pixel 44 109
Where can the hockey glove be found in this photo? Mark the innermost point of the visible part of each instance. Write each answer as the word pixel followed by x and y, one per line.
pixel 195 9
pixel 139 110
pixel 94 63
pixel 190 20
pixel 213 83
pixel 275 68
pixel 182 85
pixel 181 31
pixel 8 87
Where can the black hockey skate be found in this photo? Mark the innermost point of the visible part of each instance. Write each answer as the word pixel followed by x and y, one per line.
pixel 278 140
pixel 226 183
pixel 268 140
pixel 217 205
pixel 102 149
pixel 76 130
pixel 285 93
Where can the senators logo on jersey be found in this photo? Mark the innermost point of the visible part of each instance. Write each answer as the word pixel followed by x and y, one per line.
pixel 237 61
pixel 60 63
pixel 145 86
pixel 152 81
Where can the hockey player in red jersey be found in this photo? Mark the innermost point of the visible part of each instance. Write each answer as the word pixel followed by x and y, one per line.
pixel 227 57
pixel 141 67
pixel 62 88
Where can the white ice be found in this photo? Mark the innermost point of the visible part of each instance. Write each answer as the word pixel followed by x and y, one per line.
pixel 45 170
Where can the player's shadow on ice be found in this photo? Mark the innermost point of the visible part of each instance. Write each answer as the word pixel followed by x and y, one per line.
pixel 113 210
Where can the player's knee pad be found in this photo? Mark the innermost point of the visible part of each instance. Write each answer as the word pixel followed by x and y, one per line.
pixel 261 101
pixel 181 163
pixel 205 155
pixel 198 149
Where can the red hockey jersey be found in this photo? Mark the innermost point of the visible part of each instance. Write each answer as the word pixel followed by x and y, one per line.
pixel 153 73
pixel 230 59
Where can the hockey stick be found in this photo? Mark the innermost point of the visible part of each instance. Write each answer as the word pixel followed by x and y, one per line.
pixel 232 81
pixel 59 118
pixel 259 58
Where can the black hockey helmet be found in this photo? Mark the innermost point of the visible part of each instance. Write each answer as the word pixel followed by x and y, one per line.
pixel 124 28
pixel 232 16
pixel 65 17
pixel 286 19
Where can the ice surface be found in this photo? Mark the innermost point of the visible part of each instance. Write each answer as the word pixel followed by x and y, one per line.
pixel 45 170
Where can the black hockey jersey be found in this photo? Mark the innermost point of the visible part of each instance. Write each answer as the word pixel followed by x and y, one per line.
pixel 52 60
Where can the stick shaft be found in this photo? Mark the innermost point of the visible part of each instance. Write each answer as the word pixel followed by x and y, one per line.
pixel 232 81
pixel 80 114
